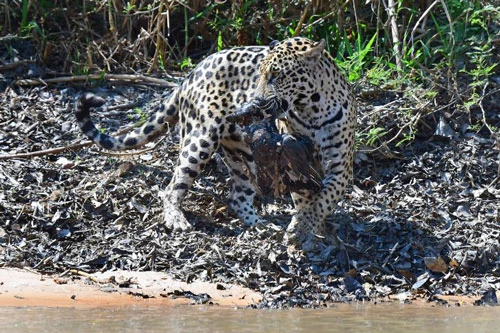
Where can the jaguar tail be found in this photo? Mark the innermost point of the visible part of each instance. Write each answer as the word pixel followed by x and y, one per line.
pixel 165 115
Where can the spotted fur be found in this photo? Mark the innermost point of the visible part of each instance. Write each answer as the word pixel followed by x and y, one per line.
pixel 302 75
pixel 296 73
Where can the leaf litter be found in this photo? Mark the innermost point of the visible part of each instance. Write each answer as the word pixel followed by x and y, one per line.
pixel 423 224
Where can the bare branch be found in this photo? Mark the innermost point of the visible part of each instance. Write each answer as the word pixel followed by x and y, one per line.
pixel 115 78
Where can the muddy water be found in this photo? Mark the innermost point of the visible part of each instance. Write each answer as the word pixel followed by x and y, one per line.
pixel 378 318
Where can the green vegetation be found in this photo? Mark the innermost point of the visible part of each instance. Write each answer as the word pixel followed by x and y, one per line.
pixel 438 56
pixel 143 117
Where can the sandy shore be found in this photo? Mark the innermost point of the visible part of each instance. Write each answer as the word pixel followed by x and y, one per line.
pixel 24 288
pixel 120 288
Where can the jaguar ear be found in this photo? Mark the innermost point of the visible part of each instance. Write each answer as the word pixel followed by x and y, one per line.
pixel 314 53
pixel 273 44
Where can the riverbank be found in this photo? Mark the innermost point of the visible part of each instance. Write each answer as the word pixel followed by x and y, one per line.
pixel 112 289
pixel 26 288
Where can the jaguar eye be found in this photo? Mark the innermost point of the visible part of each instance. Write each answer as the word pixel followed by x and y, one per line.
pixel 272 79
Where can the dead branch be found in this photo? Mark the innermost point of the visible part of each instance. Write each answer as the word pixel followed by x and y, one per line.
pixel 421 18
pixel 15 64
pixel 51 151
pixel 115 78
pixel 84 274
pixel 298 29
pixel 57 150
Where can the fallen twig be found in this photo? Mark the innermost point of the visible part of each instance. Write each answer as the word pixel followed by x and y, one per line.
pixel 84 274
pixel 53 151
pixel 15 64
pixel 116 78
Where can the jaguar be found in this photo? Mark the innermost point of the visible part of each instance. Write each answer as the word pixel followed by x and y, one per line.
pixel 296 76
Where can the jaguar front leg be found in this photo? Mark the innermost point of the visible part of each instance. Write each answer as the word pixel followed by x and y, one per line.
pixel 313 209
pixel 173 216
